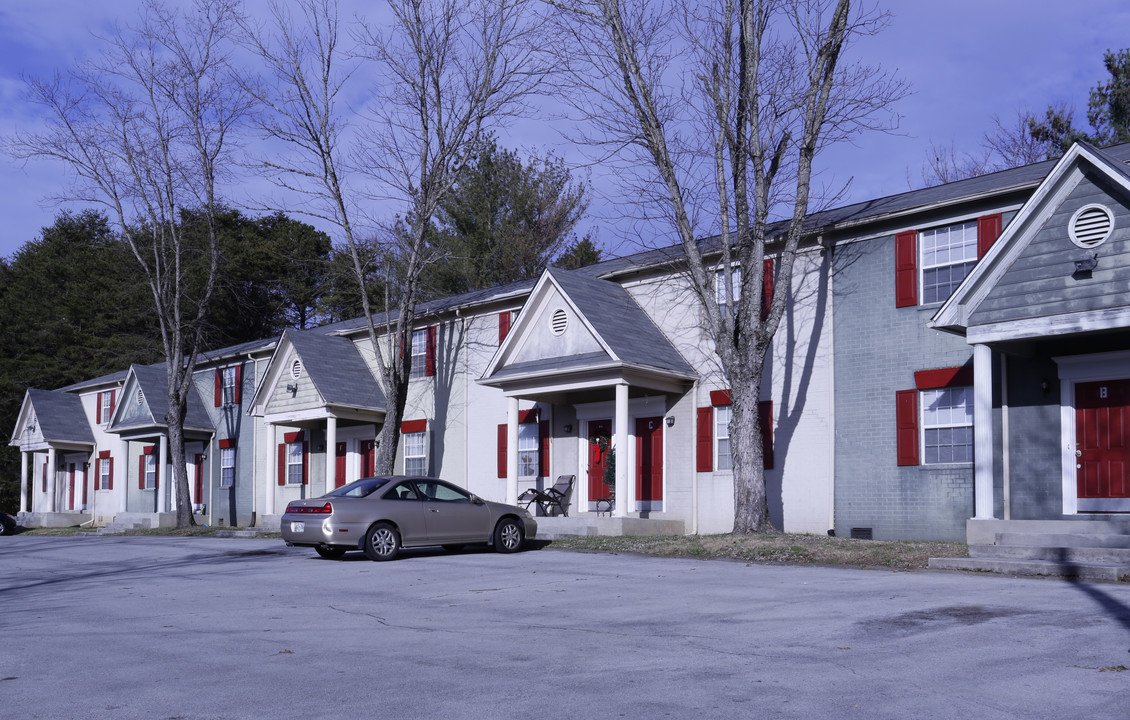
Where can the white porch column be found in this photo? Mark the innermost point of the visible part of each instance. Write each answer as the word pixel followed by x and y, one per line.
pixel 625 498
pixel 512 450
pixel 269 489
pixel 23 481
pixel 121 473
pixel 983 432
pixel 52 480
pixel 331 451
pixel 163 468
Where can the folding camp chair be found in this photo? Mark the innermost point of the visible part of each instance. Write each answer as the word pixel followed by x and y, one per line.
pixel 555 497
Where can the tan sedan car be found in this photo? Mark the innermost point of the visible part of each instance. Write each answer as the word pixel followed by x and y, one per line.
pixel 380 515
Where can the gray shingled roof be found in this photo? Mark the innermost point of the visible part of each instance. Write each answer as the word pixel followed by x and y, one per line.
pixel 621 322
pixel 337 369
pixel 154 384
pixel 60 416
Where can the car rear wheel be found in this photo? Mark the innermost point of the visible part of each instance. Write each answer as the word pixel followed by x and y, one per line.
pixel 382 542
pixel 508 536
pixel 330 552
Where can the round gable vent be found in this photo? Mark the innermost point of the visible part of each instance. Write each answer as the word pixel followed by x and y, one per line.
pixel 296 369
pixel 558 322
pixel 1090 226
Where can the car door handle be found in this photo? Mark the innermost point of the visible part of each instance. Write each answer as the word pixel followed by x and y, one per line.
pixel 433 510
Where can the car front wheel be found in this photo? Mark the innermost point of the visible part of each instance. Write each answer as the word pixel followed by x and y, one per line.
pixel 382 542
pixel 508 536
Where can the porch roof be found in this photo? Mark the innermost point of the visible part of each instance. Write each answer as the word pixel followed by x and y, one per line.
pixel 59 415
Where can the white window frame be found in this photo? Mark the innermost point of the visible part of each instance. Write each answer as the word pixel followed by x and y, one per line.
pixel 227 390
pixel 104 473
pixel 419 354
pixel 723 460
pixel 529 441
pixel 150 471
pixel 295 463
pixel 943 421
pixel 416 453
pixel 105 399
pixel 227 467
pixel 720 287
pixel 944 243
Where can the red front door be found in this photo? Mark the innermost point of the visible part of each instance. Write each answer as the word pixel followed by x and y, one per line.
pixel 368 458
pixel 339 464
pixel 649 459
pixel 598 457
pixel 1102 416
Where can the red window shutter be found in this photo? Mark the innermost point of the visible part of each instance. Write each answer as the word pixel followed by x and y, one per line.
pixel 704 442
pixel 237 392
pixel 503 325
pixel 988 230
pixel 85 480
pixel 44 476
pixel 113 402
pixel 906 268
pixel 766 287
pixel 906 426
pixel 765 421
pixel 98 409
pixel 141 472
pixel 282 464
pixel 430 363
pixel 305 463
pixel 111 473
pixel 502 450
pixel 543 448
pixel 218 393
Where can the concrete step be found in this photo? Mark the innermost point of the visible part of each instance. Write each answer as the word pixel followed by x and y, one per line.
pixel 1077 540
pixel 552 528
pixel 1007 566
pixel 1071 554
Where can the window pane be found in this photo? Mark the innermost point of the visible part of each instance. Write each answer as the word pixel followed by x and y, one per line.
pixel 415 454
pixel 947 422
pixel 527 450
pixel 948 254
pixel 722 435
pixel 227 467
pixel 294 463
pixel 419 353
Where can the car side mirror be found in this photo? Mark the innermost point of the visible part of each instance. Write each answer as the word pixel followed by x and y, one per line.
pixel 476 500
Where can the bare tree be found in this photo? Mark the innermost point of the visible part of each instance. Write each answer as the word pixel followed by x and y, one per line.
pixel 451 69
pixel 1023 141
pixel 146 130
pixel 723 107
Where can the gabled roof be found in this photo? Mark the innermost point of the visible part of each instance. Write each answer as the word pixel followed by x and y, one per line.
pixel 338 371
pixel 152 382
pixel 58 415
pixel 1019 284
pixel 616 335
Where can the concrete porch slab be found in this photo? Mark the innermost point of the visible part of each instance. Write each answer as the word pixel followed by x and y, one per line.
pixel 552 528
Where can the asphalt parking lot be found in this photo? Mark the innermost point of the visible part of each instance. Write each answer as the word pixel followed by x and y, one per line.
pixel 151 627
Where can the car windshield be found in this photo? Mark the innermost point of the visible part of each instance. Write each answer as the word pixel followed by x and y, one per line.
pixel 358 488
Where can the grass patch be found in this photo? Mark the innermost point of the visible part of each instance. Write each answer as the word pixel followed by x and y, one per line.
pixel 780 548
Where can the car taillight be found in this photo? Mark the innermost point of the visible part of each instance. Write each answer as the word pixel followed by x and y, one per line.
pixel 326 509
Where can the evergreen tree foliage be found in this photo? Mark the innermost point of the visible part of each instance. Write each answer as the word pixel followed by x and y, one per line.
pixel 504 220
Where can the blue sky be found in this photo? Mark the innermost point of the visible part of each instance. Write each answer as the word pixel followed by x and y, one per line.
pixel 965 60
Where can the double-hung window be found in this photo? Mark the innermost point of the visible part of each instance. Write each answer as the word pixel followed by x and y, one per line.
pixel 295 463
pixel 722 437
pixel 149 465
pixel 948 254
pixel 227 466
pixel 720 287
pixel 529 438
pixel 227 376
pixel 104 473
pixel 419 353
pixel 415 453
pixel 947 425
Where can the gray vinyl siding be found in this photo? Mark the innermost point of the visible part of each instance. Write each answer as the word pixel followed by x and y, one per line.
pixel 130 412
pixel 878 347
pixel 1040 282
pixel 231 506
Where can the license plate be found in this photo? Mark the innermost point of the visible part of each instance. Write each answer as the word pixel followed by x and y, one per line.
pixel 298 527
